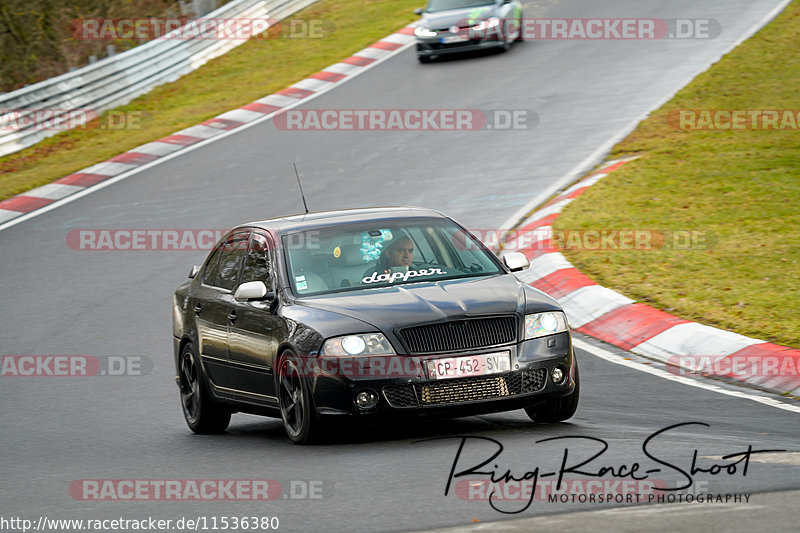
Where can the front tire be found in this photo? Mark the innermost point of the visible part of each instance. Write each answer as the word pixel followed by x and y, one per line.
pixel 557 409
pixel 298 415
pixel 202 413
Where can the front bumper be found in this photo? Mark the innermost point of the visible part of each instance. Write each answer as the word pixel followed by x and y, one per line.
pixel 433 46
pixel 528 382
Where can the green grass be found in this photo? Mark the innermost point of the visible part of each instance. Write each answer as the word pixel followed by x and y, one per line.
pixel 248 72
pixel 740 188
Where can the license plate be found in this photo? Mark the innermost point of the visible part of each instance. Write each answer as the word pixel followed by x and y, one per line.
pixel 449 39
pixel 469 365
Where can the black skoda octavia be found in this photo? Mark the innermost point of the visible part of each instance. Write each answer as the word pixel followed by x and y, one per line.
pixel 366 312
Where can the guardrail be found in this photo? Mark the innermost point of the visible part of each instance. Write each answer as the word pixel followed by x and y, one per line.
pixel 116 80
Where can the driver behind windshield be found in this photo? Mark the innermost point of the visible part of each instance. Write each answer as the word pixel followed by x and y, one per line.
pixel 396 256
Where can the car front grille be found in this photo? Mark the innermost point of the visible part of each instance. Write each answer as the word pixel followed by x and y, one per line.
pixel 455 391
pixel 460 334
pixel 460 44
pixel 401 396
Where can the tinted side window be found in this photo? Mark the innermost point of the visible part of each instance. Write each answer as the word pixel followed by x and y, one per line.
pixel 257 267
pixel 211 266
pixel 231 255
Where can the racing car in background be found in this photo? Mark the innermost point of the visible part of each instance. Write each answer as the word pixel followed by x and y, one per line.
pixel 456 26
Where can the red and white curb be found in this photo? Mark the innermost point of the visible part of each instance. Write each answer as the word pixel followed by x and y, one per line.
pixel 45 196
pixel 611 317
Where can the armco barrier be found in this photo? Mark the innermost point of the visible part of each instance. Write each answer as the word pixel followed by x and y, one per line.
pixel 116 80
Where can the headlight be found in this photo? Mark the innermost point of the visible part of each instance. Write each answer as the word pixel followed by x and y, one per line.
pixel 543 324
pixel 421 31
pixel 486 24
pixel 364 344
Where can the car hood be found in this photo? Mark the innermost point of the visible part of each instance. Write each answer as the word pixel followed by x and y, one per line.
pixel 398 306
pixel 445 19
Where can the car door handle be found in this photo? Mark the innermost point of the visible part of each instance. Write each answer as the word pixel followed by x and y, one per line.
pixel 198 308
pixel 232 316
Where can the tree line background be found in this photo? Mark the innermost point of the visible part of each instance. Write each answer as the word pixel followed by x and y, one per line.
pixel 35 38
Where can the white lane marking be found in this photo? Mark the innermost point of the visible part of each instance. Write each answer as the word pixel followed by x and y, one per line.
pixel 596 156
pixel 399 38
pixel 342 68
pixel 617 360
pixel 156 148
pixel 200 131
pixel 683 507
pixel 544 265
pixel 53 191
pixel 200 144
pixel 786 458
pixel 589 303
pixel 6 214
pixel 311 84
pixel 547 211
pixel 280 100
pixel 108 168
pixel 373 53
pixel 693 339
pixel 587 182
pixel 239 115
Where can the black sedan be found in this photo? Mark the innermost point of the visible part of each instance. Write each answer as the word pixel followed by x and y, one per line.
pixel 367 313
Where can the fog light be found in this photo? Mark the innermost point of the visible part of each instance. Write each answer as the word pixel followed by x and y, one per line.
pixel 366 399
pixel 558 375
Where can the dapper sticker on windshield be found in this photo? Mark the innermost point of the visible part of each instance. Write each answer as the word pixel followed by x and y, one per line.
pixel 404 276
pixel 299 278
pixel 337 252
pixel 301 285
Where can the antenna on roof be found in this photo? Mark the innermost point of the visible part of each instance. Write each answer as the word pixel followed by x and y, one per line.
pixel 303 196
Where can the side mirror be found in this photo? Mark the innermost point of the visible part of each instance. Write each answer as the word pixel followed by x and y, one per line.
pixel 418 11
pixel 516 261
pixel 193 272
pixel 252 290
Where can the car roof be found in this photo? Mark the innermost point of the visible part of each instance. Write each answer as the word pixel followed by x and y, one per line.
pixel 321 219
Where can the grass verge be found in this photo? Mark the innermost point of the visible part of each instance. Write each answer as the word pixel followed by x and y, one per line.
pixel 248 72
pixel 740 189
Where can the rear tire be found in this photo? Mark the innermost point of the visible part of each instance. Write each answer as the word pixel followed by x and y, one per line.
pixel 557 409
pixel 203 414
pixel 294 397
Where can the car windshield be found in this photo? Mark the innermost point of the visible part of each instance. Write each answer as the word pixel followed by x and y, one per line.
pixel 446 5
pixel 382 254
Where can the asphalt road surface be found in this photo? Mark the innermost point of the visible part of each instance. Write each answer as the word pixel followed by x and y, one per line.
pixel 61 301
